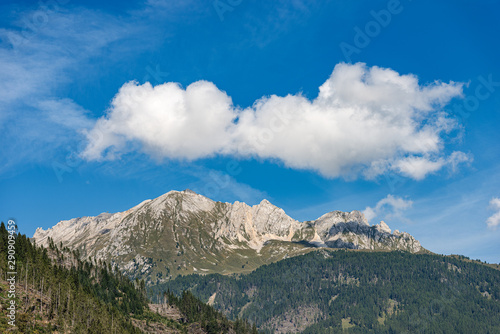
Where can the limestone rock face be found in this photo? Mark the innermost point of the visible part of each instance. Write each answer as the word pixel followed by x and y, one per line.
pixel 184 232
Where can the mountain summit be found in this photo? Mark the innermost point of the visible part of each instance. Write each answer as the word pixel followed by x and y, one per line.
pixel 182 232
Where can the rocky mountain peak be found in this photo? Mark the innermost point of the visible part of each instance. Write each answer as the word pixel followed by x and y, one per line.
pixel 334 221
pixel 383 227
pixel 265 202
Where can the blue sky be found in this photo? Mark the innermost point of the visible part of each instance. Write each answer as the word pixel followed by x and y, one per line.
pixel 388 107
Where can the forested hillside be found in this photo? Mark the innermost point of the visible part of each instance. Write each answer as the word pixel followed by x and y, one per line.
pixel 58 293
pixel 325 291
pixel 381 292
pixel 65 294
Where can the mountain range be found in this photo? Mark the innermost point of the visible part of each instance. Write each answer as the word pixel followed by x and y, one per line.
pixel 182 232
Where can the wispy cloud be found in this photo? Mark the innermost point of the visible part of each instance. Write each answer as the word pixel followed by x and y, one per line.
pixel 388 208
pixel 38 61
pixel 419 167
pixel 494 220
pixel 365 121
pixel 221 186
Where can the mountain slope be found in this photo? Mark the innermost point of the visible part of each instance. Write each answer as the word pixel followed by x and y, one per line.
pixel 56 293
pixel 328 291
pixel 184 233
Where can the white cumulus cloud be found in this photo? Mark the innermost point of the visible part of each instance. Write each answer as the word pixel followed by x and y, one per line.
pixel 388 208
pixel 494 220
pixel 167 120
pixel 365 121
